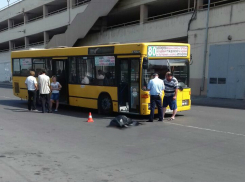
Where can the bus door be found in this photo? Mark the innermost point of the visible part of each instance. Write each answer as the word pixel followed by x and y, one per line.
pixel 59 70
pixel 128 88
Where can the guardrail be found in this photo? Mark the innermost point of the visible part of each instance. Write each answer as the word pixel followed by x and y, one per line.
pixel 57 11
pixel 4 29
pixel 5 50
pixel 36 44
pixel 19 47
pixel 166 15
pixel 81 3
pixel 18 25
pixel 35 19
pixel 11 4
pixel 124 24
pixel 220 3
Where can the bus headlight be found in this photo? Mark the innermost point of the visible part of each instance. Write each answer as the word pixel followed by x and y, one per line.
pixel 149 106
pixel 185 102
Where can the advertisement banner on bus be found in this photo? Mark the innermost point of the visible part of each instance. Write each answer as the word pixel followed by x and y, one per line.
pixel 105 61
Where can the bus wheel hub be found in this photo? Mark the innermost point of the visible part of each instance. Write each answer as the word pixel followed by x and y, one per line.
pixel 106 104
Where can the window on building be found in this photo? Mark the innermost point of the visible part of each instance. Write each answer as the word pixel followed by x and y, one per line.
pixel 85 70
pixel 213 81
pixel 105 70
pixel 221 80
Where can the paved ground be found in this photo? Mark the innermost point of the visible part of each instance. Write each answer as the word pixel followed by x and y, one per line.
pixel 206 144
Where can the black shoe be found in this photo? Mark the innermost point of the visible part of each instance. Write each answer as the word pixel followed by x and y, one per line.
pixel 149 121
pixel 160 120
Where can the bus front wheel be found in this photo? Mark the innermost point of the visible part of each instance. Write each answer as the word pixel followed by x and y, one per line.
pixel 105 104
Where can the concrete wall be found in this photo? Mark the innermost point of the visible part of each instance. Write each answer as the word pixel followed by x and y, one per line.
pixel 45 24
pixel 169 28
pixel 224 21
pixel 25 5
pixel 5 66
pixel 82 23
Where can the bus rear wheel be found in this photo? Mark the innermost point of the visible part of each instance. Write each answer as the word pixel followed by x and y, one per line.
pixel 105 104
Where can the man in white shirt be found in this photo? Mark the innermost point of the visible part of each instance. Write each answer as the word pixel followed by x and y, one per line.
pixel 156 87
pixel 44 90
pixel 31 84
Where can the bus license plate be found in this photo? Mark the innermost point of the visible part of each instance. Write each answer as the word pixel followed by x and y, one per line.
pixel 168 110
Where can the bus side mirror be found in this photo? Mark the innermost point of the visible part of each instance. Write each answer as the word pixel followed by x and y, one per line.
pixel 145 63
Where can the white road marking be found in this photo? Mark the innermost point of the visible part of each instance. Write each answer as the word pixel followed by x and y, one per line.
pixel 7 97
pixel 206 129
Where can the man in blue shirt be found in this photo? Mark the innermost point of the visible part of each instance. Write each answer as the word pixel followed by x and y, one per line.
pixel 156 86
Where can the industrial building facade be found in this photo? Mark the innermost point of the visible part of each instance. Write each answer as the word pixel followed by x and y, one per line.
pixel 217 72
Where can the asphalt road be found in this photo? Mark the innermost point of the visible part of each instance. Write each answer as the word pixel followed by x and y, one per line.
pixel 206 144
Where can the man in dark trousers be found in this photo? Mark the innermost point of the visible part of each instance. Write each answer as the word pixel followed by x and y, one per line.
pixel 44 90
pixel 156 86
pixel 31 84
pixel 171 90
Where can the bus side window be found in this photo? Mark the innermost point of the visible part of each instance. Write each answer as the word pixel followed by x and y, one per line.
pixel 73 71
pixel 25 66
pixel 85 70
pixel 16 67
pixel 105 70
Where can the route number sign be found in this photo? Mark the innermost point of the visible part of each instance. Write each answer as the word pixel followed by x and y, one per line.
pixel 167 51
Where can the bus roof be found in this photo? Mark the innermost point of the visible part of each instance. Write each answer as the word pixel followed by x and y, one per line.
pixel 118 49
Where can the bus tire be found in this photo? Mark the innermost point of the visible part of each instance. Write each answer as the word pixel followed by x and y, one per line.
pixel 105 104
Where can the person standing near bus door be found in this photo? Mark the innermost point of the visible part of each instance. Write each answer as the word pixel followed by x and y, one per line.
pixel 156 86
pixel 55 88
pixel 31 84
pixel 44 90
pixel 171 90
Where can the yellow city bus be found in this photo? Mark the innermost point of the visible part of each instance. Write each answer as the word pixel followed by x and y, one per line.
pixel 110 78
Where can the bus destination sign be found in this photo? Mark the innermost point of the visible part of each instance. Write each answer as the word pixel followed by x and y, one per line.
pixel 167 51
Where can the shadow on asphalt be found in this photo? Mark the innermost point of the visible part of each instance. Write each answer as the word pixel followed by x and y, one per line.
pixel 21 106
pixel 7 87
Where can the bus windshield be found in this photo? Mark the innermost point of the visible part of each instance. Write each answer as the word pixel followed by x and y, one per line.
pixel 179 68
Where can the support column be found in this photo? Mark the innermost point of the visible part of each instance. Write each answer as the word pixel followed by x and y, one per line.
pixel 199 4
pixel 11 45
pixel 45 37
pixel 26 18
pixel 10 23
pixel 45 10
pixel 73 2
pixel 103 24
pixel 143 13
pixel 27 42
pixel 68 4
